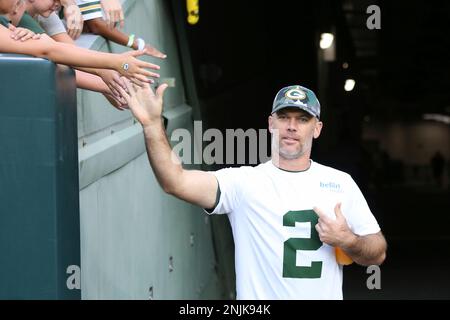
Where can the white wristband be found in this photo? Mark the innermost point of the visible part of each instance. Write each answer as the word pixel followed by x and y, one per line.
pixel 141 44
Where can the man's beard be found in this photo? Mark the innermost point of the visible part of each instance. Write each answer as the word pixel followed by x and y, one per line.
pixel 288 155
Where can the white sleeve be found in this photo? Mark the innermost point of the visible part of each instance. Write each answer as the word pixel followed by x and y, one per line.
pixel 358 214
pixel 230 181
pixel 52 25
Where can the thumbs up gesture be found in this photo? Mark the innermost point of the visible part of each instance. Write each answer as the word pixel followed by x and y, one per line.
pixel 334 232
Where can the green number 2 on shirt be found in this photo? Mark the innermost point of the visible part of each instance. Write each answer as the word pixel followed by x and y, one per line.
pixel 290 269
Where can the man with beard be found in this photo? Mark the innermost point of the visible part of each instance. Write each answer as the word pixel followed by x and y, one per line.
pixel 287 215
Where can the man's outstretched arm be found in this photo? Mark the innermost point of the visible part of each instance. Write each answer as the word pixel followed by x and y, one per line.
pixel 194 186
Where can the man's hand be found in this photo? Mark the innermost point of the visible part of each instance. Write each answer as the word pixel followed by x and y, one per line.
pixel 22 34
pixel 74 19
pixel 336 232
pixel 364 250
pixel 113 13
pixel 145 105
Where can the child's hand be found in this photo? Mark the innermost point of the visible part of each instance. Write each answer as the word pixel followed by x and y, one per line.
pixel 74 20
pixel 112 79
pixel 23 34
pixel 117 102
pixel 113 13
pixel 152 51
pixel 134 69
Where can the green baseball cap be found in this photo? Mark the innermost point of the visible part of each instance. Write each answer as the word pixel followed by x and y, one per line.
pixel 297 96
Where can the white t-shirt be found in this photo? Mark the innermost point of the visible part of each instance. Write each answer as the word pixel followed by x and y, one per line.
pixel 90 9
pixel 277 250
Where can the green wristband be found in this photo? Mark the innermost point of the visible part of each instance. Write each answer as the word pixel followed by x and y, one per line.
pixel 130 40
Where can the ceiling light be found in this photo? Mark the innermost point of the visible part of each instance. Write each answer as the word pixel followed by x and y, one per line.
pixel 437 117
pixel 349 84
pixel 326 40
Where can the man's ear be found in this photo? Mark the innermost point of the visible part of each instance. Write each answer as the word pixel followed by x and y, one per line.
pixel 318 129
pixel 270 119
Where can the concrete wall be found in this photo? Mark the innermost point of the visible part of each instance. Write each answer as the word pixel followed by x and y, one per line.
pixel 412 143
pixel 136 241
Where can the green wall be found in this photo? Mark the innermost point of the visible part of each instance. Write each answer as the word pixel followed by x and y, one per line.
pixel 131 232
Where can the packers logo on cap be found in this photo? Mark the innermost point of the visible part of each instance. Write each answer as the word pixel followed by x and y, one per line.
pixel 295 94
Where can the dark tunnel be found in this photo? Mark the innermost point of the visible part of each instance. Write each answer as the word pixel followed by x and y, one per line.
pixel 391 132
